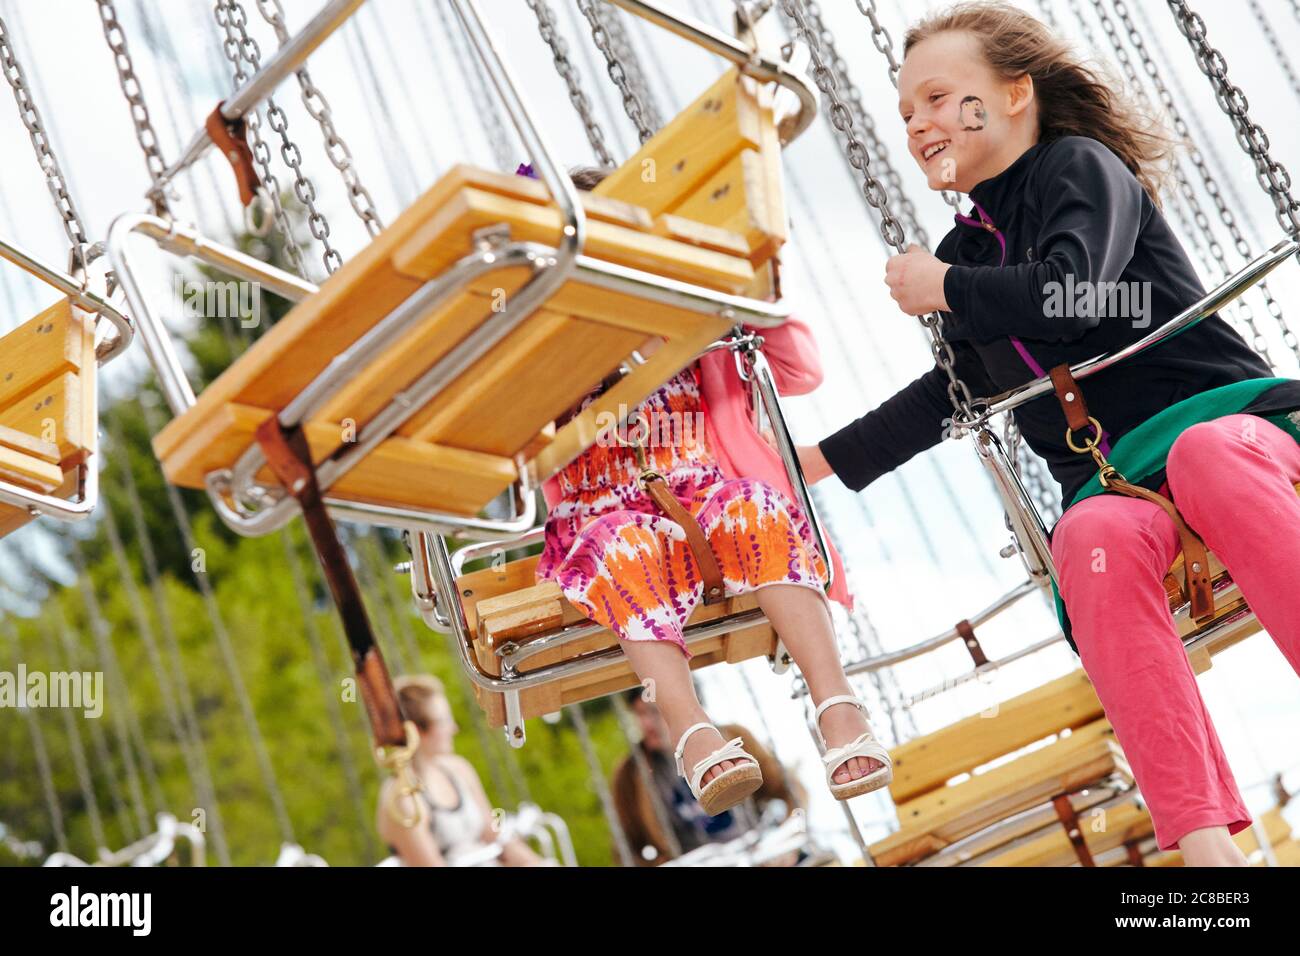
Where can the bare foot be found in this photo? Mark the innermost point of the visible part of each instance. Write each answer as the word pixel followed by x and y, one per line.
pixel 842 723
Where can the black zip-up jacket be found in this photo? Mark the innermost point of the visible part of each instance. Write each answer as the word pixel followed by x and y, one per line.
pixel 1071 213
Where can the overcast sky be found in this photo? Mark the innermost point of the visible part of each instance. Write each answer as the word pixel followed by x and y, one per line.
pixel 921 545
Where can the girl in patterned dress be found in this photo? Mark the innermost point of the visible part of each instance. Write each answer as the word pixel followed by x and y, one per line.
pixel 627 566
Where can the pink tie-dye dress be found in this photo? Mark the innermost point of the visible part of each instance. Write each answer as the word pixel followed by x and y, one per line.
pixel 628 567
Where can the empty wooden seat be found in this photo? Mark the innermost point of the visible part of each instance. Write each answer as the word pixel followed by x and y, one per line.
pixel 505 604
pixel 700 203
pixel 935 813
pixel 47 405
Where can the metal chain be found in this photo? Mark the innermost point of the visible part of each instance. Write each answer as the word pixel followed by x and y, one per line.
pixel 1283 60
pixel 1244 311
pixel 49 163
pixel 621 39
pixel 1273 176
pixel 145 134
pixel 890 229
pixel 248 48
pixel 261 154
pixel 550 32
pixel 479 85
pixel 1211 187
pixel 632 104
pixel 884 43
pixel 340 155
pixel 861 117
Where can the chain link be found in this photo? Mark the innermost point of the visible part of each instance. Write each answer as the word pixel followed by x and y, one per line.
pixel 632 104
pixel 550 32
pixel 479 85
pixel 340 155
pixel 49 163
pixel 616 24
pixel 884 43
pixel 1244 311
pixel 226 16
pixel 145 134
pixel 1273 176
pixel 890 229
pixel 862 118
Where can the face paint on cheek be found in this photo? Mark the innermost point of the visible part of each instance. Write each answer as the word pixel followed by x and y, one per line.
pixel 971 114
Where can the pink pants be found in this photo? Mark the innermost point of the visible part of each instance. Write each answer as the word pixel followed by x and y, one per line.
pixel 1233 481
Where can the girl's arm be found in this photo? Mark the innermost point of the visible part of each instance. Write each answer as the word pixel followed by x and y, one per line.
pixel 1092 209
pixel 911 421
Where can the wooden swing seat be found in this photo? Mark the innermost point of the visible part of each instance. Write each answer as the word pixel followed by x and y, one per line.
pixel 506 604
pixel 1229 603
pixel 934 813
pixel 700 203
pixel 47 405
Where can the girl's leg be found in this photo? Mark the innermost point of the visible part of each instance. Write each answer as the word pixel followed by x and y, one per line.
pixel 800 615
pixel 765 544
pixel 1233 480
pixel 1112 554
pixel 623 577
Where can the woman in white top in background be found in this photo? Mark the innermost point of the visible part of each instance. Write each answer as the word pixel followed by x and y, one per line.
pixel 455 816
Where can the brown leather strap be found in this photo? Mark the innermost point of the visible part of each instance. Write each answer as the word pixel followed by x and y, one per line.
pixel 1196 562
pixel 1134 854
pixel 967 632
pixel 290 460
pixel 1070 397
pixel 714 590
pixel 229 136
pixel 1070 821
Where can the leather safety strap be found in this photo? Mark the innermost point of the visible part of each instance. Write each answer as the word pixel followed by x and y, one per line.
pixel 1196 565
pixel 230 137
pixel 289 458
pixel 714 589
pixel 1070 821
pixel 971 642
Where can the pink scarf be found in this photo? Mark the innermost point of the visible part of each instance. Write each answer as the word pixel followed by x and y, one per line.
pixel 791 352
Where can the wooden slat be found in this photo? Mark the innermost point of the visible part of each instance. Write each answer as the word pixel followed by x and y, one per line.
pixel 39 351
pixel 29 445
pixel 53 412
pixel 941 817
pixel 701 234
pixel 29 472
pixel 735 198
pixel 925 763
pixel 1122 824
pixel 447 237
pixel 678 159
pixel 400 470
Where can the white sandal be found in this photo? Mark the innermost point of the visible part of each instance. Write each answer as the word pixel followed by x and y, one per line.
pixel 729 787
pixel 865 745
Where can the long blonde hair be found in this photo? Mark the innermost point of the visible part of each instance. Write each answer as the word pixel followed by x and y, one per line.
pixel 1075 98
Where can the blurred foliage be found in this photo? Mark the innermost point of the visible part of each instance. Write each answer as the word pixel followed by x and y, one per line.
pixel 260 608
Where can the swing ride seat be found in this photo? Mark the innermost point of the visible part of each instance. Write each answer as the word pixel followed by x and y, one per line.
pixel 1011 800
pixel 710 179
pixel 47 406
pixel 1232 621
pixel 511 618
pixel 700 204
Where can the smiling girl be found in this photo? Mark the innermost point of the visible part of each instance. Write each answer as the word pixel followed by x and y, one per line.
pixel 1063 176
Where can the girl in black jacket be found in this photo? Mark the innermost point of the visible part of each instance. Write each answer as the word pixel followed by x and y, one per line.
pixel 1065 255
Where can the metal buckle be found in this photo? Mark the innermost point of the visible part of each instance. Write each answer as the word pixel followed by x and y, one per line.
pixel 397 761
